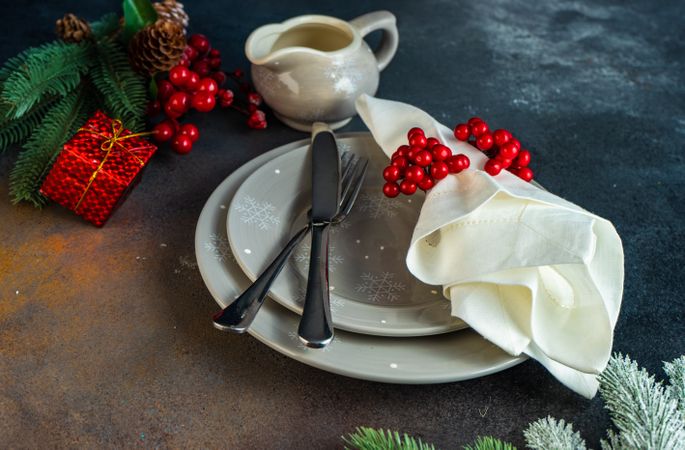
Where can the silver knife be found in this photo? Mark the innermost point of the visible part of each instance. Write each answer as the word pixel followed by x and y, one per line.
pixel 316 327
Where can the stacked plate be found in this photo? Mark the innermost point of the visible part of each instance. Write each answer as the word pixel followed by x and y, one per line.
pixel 389 326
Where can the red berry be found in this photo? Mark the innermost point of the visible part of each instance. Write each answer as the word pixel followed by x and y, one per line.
pixel 479 128
pixel 163 131
pixel 225 97
pixel 178 102
pixel 418 140
pixel 504 162
pixel 501 137
pixel 426 183
pixel 402 150
pixel 165 89
pixel 238 73
pixel 516 143
pixel 208 85
pixel 178 75
pixel 423 158
pixel 182 144
pixel 184 61
pixel 493 167
pixel 252 108
pixel 439 170
pixel 431 142
pixel 201 66
pixel 391 173
pixel 193 81
pixel 400 162
pixel 219 77
pixel 414 130
pixel 391 190
pixel 214 53
pixel 441 152
pixel 413 151
pixel 485 142
pixel 508 151
pixel 200 43
pixel 190 53
pixel 257 120
pixel 214 63
pixel 462 132
pixel 459 162
pixel 191 130
pixel 254 98
pixel 522 159
pixel 414 174
pixel 407 187
pixel 203 101
pixel 473 120
pixel 525 174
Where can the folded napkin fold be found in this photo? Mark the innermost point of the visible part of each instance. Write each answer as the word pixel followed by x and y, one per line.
pixel 529 271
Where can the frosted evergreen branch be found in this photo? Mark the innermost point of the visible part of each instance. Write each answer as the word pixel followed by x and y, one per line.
pixel 489 443
pixel 676 374
pixel 548 433
pixel 642 409
pixel 365 438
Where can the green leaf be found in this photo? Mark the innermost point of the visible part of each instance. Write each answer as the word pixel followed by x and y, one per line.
pixel 490 443
pixel 49 70
pixel 122 89
pixel 18 130
pixel 137 15
pixel 365 438
pixel 41 149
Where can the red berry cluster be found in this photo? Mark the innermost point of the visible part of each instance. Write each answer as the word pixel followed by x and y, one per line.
pixel 503 149
pixel 420 164
pixel 195 82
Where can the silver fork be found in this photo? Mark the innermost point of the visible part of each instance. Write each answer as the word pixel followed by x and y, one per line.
pixel 238 316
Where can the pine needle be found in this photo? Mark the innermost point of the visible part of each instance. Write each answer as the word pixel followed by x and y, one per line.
pixel 18 130
pixel 122 89
pixel 489 443
pixel 107 26
pixel 642 409
pixel 548 433
pixel 365 438
pixel 676 374
pixel 40 150
pixel 51 69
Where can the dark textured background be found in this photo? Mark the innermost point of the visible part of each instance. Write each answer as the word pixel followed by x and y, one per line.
pixel 105 337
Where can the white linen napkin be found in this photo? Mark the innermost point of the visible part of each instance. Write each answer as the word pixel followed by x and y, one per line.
pixel 529 271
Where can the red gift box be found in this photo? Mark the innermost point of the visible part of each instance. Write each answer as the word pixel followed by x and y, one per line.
pixel 97 168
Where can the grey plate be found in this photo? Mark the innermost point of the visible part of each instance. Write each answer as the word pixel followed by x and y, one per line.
pixel 372 291
pixel 419 360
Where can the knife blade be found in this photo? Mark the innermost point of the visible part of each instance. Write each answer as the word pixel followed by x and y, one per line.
pixel 316 327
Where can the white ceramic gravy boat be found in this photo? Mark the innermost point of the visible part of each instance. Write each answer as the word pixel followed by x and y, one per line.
pixel 312 68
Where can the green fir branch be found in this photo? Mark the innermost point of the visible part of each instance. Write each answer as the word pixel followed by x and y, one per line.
pixel 642 409
pixel 18 130
pixel 122 90
pixel 365 438
pixel 51 69
pixel 41 149
pixel 107 26
pixel 489 443
pixel 547 433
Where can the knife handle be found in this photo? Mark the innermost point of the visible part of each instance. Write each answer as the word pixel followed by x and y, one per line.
pixel 238 316
pixel 316 327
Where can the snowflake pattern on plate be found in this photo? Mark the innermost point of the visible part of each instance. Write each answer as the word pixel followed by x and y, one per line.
pixel 335 302
pixel 377 205
pixel 219 247
pixel 380 287
pixel 295 338
pixel 302 257
pixel 261 214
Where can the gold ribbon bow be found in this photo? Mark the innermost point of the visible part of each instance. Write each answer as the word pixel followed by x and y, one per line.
pixel 108 144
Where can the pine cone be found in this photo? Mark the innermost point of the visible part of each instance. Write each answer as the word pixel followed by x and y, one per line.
pixel 157 47
pixel 73 29
pixel 172 11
